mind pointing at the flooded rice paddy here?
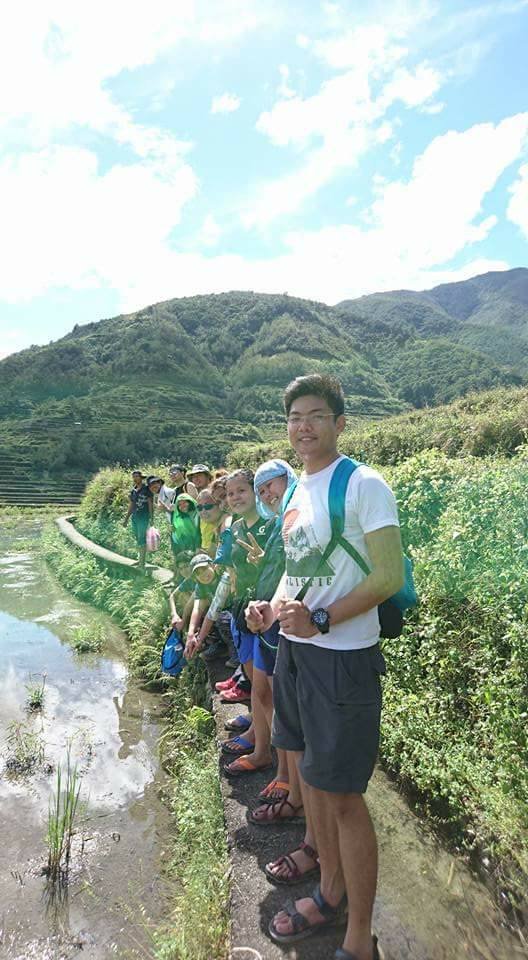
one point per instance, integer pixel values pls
(115, 890)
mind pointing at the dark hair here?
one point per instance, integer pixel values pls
(318, 385)
(242, 474)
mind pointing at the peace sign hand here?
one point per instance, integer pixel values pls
(254, 551)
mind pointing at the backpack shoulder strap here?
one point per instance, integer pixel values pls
(337, 494)
(336, 507)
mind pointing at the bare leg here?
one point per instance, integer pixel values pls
(346, 843)
(359, 858)
(261, 755)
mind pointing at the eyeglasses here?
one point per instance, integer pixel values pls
(206, 506)
(312, 419)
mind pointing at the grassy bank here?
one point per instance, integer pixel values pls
(197, 928)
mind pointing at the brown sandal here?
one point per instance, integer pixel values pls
(276, 790)
(272, 814)
(295, 875)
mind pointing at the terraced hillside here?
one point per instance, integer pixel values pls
(190, 378)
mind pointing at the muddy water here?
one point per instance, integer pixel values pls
(429, 905)
(115, 890)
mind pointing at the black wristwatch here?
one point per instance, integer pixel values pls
(320, 619)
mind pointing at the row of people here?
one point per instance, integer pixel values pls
(304, 624)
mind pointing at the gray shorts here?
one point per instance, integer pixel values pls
(327, 705)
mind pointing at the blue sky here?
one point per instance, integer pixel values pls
(328, 149)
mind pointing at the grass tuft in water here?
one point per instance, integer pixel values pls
(35, 695)
(88, 639)
(61, 820)
(25, 749)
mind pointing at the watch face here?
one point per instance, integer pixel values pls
(320, 618)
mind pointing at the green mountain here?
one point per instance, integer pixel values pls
(189, 378)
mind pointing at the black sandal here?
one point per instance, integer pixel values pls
(342, 954)
(302, 928)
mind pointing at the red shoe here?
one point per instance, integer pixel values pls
(235, 695)
(225, 684)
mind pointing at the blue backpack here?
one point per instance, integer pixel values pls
(390, 612)
(172, 659)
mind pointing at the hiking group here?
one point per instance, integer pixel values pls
(292, 576)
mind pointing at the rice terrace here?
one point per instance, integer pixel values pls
(264, 481)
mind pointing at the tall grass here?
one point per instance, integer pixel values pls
(61, 820)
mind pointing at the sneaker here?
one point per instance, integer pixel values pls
(235, 695)
(226, 684)
(214, 650)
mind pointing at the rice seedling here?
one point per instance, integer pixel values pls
(88, 638)
(61, 820)
(26, 749)
(35, 695)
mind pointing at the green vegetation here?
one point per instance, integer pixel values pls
(61, 821)
(35, 695)
(103, 507)
(455, 725)
(198, 926)
(140, 606)
(88, 639)
(188, 378)
(25, 749)
(479, 425)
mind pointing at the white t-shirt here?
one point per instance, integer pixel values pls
(370, 505)
(166, 497)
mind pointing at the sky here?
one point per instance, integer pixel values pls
(324, 149)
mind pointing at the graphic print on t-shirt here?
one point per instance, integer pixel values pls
(303, 552)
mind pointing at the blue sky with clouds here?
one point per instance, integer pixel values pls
(329, 149)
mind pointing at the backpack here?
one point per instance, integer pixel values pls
(172, 659)
(390, 612)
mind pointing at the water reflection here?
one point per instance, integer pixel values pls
(111, 725)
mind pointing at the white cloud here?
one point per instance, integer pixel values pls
(210, 232)
(225, 103)
(284, 89)
(416, 227)
(433, 216)
(66, 224)
(302, 41)
(518, 205)
(345, 116)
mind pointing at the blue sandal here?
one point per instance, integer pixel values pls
(240, 723)
(301, 926)
(237, 746)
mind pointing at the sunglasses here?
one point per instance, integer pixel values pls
(206, 506)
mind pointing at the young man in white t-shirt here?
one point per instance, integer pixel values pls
(327, 691)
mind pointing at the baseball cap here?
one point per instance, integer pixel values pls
(176, 468)
(199, 468)
(200, 560)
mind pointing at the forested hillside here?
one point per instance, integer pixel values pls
(189, 378)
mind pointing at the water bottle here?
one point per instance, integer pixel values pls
(220, 598)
